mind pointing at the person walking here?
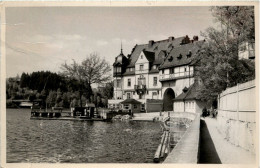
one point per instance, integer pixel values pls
(204, 112)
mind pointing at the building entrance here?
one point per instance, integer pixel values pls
(168, 97)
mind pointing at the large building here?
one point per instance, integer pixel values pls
(156, 73)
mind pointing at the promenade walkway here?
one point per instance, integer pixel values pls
(215, 149)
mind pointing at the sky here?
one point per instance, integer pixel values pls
(43, 38)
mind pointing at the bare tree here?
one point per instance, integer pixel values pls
(96, 69)
(92, 70)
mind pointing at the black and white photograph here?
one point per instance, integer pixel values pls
(130, 84)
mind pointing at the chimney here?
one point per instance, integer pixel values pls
(151, 42)
(195, 38)
(171, 38)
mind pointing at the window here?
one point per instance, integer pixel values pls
(118, 69)
(155, 81)
(135, 106)
(172, 71)
(129, 82)
(128, 95)
(117, 83)
(126, 106)
(142, 107)
(141, 56)
(185, 69)
(154, 95)
(141, 67)
(154, 67)
(141, 80)
(163, 71)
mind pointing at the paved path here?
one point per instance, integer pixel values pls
(227, 152)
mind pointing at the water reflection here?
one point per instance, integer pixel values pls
(79, 142)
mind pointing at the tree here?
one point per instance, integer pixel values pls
(218, 66)
(237, 20)
(51, 98)
(92, 69)
(108, 90)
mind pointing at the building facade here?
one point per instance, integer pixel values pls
(155, 73)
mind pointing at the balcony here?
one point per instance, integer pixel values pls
(140, 89)
(175, 76)
(117, 74)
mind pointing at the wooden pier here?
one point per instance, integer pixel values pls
(57, 113)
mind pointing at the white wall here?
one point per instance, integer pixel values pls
(177, 85)
(189, 106)
(178, 106)
(125, 82)
(140, 61)
(237, 115)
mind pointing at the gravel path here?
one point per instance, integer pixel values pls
(227, 152)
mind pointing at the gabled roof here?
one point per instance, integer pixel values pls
(181, 55)
(156, 48)
(190, 94)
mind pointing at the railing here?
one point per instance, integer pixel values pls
(140, 87)
(117, 74)
(175, 76)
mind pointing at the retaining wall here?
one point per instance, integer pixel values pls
(237, 115)
(186, 151)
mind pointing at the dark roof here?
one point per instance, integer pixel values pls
(130, 101)
(188, 95)
(181, 55)
(120, 59)
(154, 71)
(154, 101)
(129, 73)
(149, 55)
(156, 48)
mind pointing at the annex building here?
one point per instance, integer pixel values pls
(159, 75)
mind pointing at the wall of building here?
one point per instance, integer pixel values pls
(178, 106)
(141, 61)
(125, 82)
(177, 85)
(237, 115)
(191, 106)
(246, 50)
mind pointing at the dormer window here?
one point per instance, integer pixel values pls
(170, 58)
(189, 54)
(180, 56)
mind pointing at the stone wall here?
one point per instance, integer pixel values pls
(186, 151)
(237, 115)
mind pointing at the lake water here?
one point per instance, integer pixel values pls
(56, 141)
